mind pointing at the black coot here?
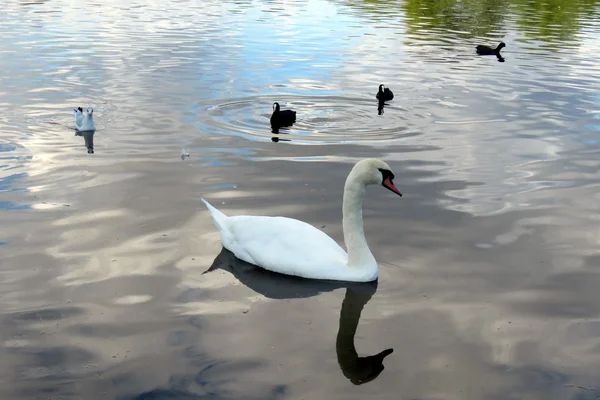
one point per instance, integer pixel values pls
(384, 94)
(281, 118)
(484, 50)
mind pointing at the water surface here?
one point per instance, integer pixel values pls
(489, 264)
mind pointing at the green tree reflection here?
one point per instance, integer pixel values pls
(550, 21)
(553, 20)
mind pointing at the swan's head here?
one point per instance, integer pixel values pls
(275, 106)
(374, 172)
(501, 46)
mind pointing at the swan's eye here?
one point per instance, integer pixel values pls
(386, 173)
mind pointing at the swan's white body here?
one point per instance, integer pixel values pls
(292, 247)
(84, 121)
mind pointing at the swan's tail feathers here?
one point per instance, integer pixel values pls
(218, 218)
(213, 211)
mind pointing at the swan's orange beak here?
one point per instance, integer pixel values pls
(388, 184)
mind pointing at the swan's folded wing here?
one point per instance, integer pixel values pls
(287, 246)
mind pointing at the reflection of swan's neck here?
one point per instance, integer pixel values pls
(352, 307)
(358, 369)
(359, 254)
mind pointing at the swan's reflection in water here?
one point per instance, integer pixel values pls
(380, 106)
(357, 369)
(88, 136)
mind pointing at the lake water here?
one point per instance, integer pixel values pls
(489, 281)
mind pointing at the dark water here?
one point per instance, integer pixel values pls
(489, 265)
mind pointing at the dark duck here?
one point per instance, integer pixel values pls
(384, 94)
(484, 50)
(282, 118)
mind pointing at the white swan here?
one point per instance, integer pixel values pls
(292, 247)
(84, 120)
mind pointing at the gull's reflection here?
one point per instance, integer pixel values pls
(357, 369)
(88, 136)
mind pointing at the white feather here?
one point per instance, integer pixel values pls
(84, 121)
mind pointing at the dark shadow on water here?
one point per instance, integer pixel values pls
(165, 394)
(278, 286)
(213, 381)
(88, 136)
(50, 314)
(358, 370)
(174, 394)
(42, 369)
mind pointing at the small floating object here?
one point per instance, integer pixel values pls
(184, 154)
(281, 118)
(384, 94)
(84, 120)
(484, 50)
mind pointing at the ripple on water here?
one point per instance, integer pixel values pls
(319, 119)
(13, 159)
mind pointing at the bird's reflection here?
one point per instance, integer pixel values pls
(278, 139)
(358, 370)
(500, 58)
(279, 129)
(380, 106)
(88, 136)
(276, 128)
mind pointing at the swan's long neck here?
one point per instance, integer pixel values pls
(359, 254)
